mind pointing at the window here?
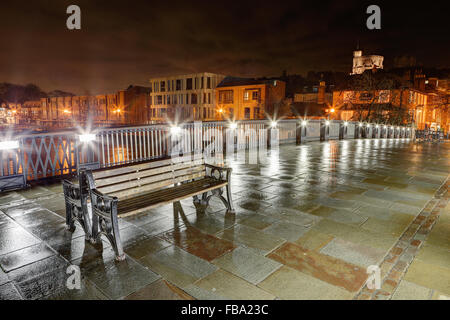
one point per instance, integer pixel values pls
(208, 83)
(256, 112)
(187, 98)
(226, 96)
(194, 98)
(196, 83)
(178, 84)
(255, 95)
(365, 96)
(202, 82)
(209, 98)
(163, 86)
(168, 86)
(246, 94)
(168, 99)
(158, 99)
(204, 113)
(231, 112)
(189, 84)
(247, 113)
(204, 98)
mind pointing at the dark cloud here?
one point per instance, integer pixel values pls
(129, 42)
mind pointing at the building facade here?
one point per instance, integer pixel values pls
(186, 97)
(248, 99)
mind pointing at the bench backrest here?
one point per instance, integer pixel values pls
(128, 181)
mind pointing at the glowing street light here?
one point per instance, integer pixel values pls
(86, 137)
(345, 123)
(304, 123)
(273, 124)
(9, 144)
(327, 123)
(377, 126)
(360, 124)
(332, 110)
(233, 126)
(220, 110)
(66, 111)
(175, 130)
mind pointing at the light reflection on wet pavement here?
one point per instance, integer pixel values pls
(307, 225)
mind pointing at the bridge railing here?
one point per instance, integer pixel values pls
(39, 156)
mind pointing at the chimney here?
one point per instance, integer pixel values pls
(321, 93)
(419, 82)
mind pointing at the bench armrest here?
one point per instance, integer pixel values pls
(223, 172)
(103, 204)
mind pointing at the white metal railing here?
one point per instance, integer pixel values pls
(60, 154)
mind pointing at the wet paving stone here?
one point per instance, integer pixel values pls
(25, 256)
(178, 266)
(87, 291)
(356, 254)
(16, 238)
(224, 284)
(339, 215)
(286, 230)
(247, 265)
(198, 243)
(261, 242)
(159, 290)
(208, 222)
(3, 277)
(323, 267)
(41, 278)
(9, 292)
(258, 221)
(115, 279)
(289, 284)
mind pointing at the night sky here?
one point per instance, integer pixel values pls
(128, 42)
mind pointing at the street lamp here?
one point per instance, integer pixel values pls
(273, 124)
(9, 144)
(327, 123)
(86, 137)
(304, 123)
(175, 130)
(345, 123)
(233, 126)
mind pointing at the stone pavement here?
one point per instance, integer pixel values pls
(306, 227)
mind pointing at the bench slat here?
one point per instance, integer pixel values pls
(139, 174)
(129, 169)
(155, 199)
(149, 187)
(166, 193)
(169, 176)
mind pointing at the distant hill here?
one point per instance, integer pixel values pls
(15, 93)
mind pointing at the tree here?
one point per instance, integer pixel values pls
(372, 95)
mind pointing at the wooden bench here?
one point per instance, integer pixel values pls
(131, 189)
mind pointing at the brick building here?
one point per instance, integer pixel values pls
(243, 99)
